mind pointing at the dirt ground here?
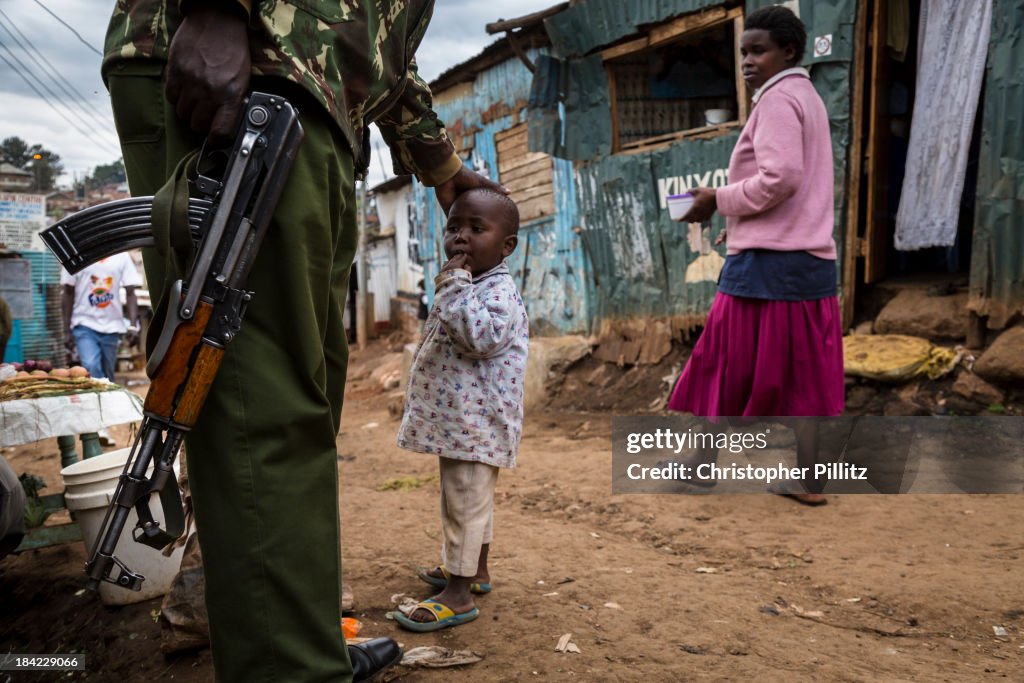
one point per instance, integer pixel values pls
(650, 587)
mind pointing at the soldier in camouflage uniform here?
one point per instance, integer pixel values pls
(262, 459)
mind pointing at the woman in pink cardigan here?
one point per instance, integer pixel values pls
(772, 344)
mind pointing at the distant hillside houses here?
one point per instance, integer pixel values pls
(60, 204)
(14, 179)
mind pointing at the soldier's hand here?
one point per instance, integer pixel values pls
(462, 181)
(208, 68)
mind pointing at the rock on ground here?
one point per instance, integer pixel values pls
(1003, 362)
(546, 364)
(913, 312)
(389, 372)
(975, 389)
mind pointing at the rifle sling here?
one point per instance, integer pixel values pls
(170, 219)
(172, 237)
(173, 241)
(174, 519)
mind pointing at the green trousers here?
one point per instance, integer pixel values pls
(262, 459)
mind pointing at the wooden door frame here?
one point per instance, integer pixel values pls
(877, 228)
(868, 161)
(666, 33)
(852, 250)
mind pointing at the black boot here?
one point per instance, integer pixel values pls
(372, 657)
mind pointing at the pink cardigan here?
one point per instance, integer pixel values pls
(780, 191)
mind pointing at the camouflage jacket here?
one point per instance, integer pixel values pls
(354, 56)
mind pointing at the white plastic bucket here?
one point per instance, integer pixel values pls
(88, 489)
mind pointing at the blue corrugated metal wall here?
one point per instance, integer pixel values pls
(14, 353)
(548, 265)
(42, 336)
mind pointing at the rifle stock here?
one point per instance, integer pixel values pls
(194, 393)
(173, 370)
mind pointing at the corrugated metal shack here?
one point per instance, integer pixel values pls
(29, 281)
(484, 105)
(612, 118)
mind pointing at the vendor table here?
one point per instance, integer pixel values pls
(64, 417)
(28, 420)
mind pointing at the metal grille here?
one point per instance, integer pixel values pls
(42, 336)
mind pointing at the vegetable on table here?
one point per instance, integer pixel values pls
(39, 386)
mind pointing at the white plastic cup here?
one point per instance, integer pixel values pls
(679, 205)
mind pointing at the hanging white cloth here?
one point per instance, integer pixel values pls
(952, 47)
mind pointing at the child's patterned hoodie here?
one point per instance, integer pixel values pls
(465, 395)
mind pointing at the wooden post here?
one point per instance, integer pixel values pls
(877, 226)
(614, 105)
(975, 331)
(851, 250)
(362, 334)
(742, 93)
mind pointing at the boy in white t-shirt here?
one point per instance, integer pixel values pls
(94, 318)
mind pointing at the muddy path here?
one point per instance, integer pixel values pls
(651, 587)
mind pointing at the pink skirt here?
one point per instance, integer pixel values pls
(764, 358)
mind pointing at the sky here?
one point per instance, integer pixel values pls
(66, 108)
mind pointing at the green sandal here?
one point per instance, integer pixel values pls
(444, 617)
(423, 573)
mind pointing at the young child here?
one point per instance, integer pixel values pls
(464, 401)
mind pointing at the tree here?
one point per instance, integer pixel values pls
(14, 151)
(104, 174)
(44, 164)
(46, 168)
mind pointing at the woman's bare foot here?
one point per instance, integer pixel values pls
(798, 492)
(812, 499)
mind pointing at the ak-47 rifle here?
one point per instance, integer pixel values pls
(204, 311)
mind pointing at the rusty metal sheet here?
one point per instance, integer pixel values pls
(639, 260)
(595, 24)
(548, 264)
(570, 114)
(642, 263)
(627, 259)
(997, 258)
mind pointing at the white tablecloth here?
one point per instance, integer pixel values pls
(30, 420)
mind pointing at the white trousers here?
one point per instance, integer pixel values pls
(467, 513)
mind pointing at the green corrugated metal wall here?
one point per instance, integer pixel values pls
(636, 255)
(997, 261)
(594, 23)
